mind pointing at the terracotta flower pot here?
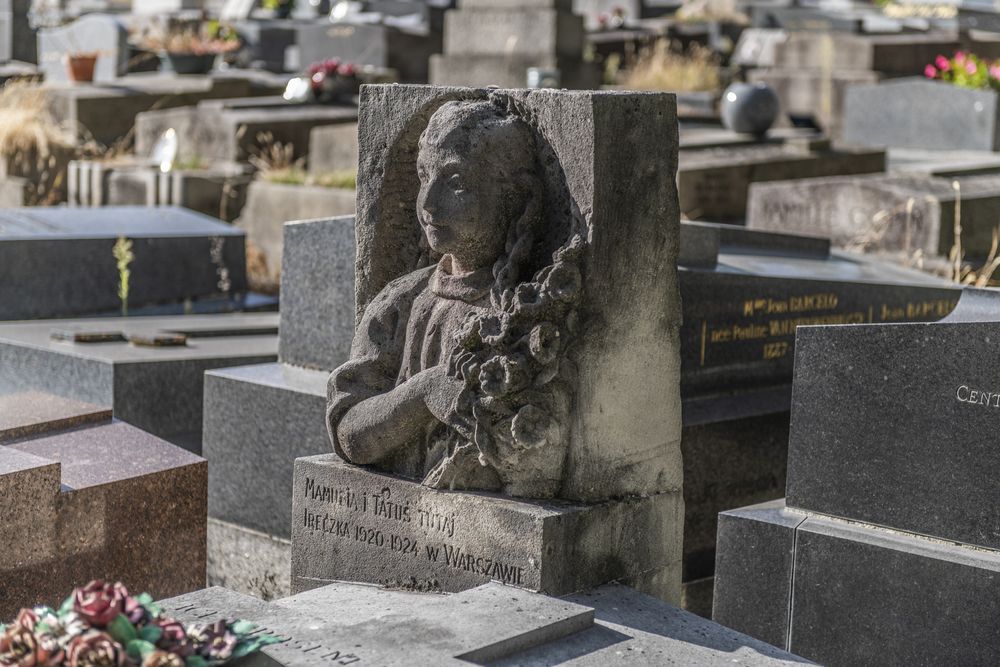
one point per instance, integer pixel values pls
(81, 66)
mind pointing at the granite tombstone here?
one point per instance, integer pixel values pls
(84, 497)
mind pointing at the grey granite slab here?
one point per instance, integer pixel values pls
(178, 255)
(918, 451)
(158, 389)
(317, 298)
(356, 524)
(258, 420)
(951, 117)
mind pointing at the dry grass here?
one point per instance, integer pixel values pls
(270, 155)
(955, 269)
(27, 128)
(660, 66)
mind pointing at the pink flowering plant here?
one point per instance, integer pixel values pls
(333, 78)
(965, 69)
(102, 625)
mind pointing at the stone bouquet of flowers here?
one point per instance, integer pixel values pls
(102, 625)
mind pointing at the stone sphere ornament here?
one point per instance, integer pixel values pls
(749, 108)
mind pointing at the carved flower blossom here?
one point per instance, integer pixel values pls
(543, 342)
(563, 283)
(502, 375)
(531, 427)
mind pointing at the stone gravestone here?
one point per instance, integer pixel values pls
(85, 497)
(951, 117)
(514, 379)
(903, 212)
(489, 43)
(890, 528)
(94, 33)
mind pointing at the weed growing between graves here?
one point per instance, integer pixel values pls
(276, 163)
(122, 252)
(662, 66)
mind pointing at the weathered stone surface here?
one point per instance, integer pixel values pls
(950, 117)
(906, 212)
(616, 358)
(270, 205)
(94, 499)
(713, 183)
(355, 524)
(492, 624)
(248, 561)
(859, 594)
(317, 296)
(333, 148)
(158, 389)
(173, 250)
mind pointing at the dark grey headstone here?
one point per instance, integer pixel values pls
(918, 452)
(179, 255)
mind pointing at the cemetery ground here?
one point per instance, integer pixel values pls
(498, 332)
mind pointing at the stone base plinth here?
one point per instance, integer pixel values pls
(354, 524)
(843, 593)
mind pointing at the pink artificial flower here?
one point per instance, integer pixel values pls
(942, 63)
(930, 71)
(959, 58)
(995, 71)
(970, 67)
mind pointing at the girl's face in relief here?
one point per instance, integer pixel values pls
(460, 205)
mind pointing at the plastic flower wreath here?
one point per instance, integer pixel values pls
(102, 625)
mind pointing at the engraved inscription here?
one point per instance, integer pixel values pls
(404, 527)
(966, 394)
